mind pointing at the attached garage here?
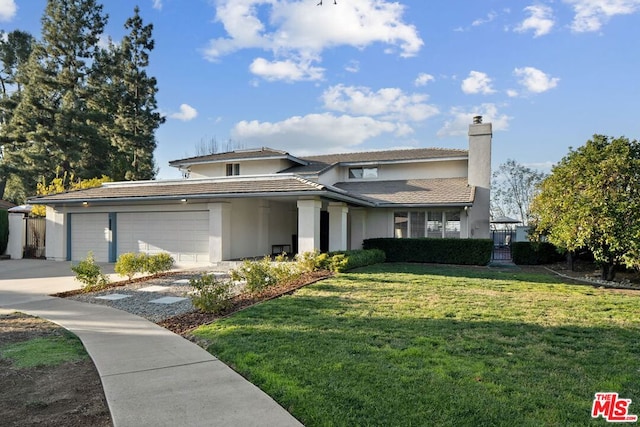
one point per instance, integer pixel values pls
(90, 232)
(184, 234)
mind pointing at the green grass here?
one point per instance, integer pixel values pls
(48, 351)
(400, 344)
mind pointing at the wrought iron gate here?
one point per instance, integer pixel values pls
(502, 240)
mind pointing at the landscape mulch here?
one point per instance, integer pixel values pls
(184, 323)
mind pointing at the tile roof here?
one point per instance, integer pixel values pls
(438, 191)
(178, 189)
(258, 153)
(321, 162)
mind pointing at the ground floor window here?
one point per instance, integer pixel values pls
(426, 223)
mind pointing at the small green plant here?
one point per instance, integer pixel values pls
(159, 263)
(210, 295)
(89, 273)
(258, 275)
(312, 261)
(128, 265)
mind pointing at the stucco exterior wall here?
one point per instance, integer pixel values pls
(247, 167)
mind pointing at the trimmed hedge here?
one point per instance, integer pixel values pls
(347, 260)
(535, 253)
(4, 230)
(441, 251)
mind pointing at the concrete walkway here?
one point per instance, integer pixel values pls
(151, 377)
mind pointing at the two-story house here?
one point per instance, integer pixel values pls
(249, 203)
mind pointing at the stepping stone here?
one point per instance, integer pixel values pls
(182, 282)
(167, 300)
(154, 288)
(113, 297)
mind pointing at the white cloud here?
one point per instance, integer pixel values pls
(157, 4)
(423, 79)
(534, 80)
(321, 133)
(299, 31)
(8, 10)
(386, 103)
(286, 70)
(460, 119)
(353, 66)
(512, 93)
(590, 15)
(540, 20)
(481, 21)
(186, 113)
(477, 82)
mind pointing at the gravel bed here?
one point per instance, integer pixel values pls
(138, 302)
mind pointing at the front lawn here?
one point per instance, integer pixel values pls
(399, 344)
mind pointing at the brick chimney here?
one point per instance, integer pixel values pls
(479, 175)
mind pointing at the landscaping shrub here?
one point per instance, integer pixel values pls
(159, 263)
(210, 294)
(89, 273)
(312, 261)
(129, 264)
(4, 231)
(347, 260)
(535, 253)
(441, 251)
(258, 275)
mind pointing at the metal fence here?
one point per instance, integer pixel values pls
(35, 229)
(502, 240)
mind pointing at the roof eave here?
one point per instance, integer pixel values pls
(119, 200)
(425, 205)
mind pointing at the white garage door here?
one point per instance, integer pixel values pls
(90, 232)
(185, 235)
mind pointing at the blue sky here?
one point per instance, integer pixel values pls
(374, 74)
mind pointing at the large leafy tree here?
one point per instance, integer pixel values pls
(513, 188)
(125, 96)
(592, 200)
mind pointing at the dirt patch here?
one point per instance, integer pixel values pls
(69, 394)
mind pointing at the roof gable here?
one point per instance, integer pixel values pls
(317, 164)
(238, 155)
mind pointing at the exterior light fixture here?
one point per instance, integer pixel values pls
(85, 203)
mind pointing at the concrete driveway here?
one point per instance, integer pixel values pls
(28, 280)
(151, 377)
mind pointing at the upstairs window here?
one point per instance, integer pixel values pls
(363, 173)
(233, 169)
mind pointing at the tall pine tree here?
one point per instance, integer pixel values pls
(84, 111)
(125, 95)
(50, 128)
(15, 48)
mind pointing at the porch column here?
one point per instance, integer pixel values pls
(263, 227)
(358, 227)
(56, 237)
(219, 231)
(308, 225)
(338, 226)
